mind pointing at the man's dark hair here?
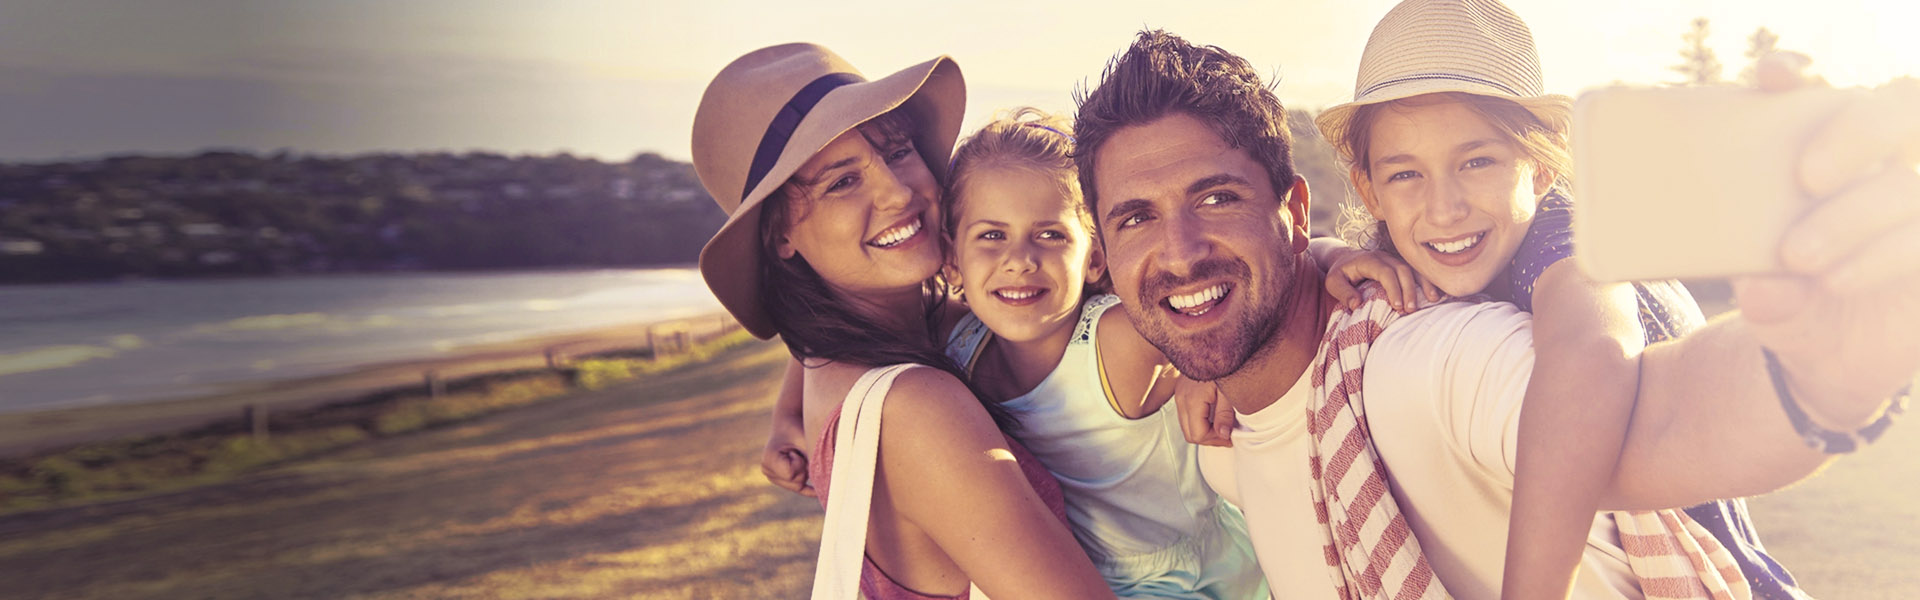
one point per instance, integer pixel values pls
(1162, 74)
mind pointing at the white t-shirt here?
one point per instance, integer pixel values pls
(1443, 391)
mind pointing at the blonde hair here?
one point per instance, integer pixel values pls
(1023, 138)
(1543, 142)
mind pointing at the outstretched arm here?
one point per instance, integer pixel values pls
(1709, 423)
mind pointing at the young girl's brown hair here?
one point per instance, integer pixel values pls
(1023, 138)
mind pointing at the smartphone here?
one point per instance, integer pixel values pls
(1690, 182)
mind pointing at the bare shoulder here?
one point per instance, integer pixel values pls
(935, 419)
(1122, 348)
(930, 394)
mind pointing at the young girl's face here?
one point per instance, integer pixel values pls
(1456, 194)
(1022, 252)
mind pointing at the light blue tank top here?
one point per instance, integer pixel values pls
(1132, 486)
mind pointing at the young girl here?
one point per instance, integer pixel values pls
(1084, 386)
(1464, 183)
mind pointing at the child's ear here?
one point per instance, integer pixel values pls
(1364, 187)
(1542, 182)
(1096, 263)
(951, 274)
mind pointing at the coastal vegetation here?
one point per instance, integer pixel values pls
(238, 214)
(223, 450)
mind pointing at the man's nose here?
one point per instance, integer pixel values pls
(1183, 244)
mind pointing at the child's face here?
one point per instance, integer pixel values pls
(1456, 194)
(1022, 252)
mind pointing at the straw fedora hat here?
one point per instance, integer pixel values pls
(1426, 46)
(766, 113)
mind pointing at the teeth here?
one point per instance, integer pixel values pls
(892, 237)
(1185, 302)
(1017, 295)
(1457, 246)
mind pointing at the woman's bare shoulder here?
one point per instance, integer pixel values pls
(931, 404)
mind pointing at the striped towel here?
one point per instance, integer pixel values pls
(1371, 549)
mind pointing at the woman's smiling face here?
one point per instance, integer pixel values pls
(863, 215)
(1456, 193)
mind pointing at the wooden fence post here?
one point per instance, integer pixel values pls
(256, 418)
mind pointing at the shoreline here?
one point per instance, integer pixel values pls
(28, 432)
(221, 277)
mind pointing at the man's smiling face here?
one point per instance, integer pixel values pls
(1201, 248)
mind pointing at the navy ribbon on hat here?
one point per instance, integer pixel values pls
(786, 121)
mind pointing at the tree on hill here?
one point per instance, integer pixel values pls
(1760, 44)
(1698, 66)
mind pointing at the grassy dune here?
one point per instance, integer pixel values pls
(226, 448)
(643, 489)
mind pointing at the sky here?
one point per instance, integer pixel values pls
(607, 79)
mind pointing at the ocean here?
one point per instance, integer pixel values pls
(67, 345)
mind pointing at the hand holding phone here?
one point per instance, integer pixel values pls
(1814, 190)
(1691, 182)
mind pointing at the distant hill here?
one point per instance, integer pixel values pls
(231, 214)
(237, 214)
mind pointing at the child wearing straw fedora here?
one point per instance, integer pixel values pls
(829, 243)
(1374, 451)
(1460, 159)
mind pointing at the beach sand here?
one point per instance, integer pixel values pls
(652, 490)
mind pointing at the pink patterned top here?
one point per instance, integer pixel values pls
(874, 583)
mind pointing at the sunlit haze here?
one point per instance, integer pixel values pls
(82, 78)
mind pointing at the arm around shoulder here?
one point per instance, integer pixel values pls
(950, 472)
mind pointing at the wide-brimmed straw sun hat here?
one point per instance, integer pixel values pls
(1427, 46)
(766, 113)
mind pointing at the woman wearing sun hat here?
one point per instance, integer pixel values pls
(1459, 158)
(830, 182)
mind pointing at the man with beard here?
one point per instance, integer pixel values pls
(1184, 160)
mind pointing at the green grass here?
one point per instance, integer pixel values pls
(132, 466)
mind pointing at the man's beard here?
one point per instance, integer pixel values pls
(1224, 349)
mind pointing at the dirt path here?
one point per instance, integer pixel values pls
(649, 491)
(652, 491)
